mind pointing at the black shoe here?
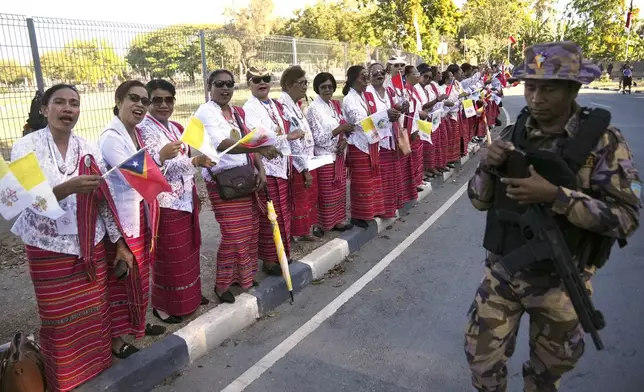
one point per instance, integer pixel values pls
(169, 320)
(497, 122)
(125, 351)
(204, 301)
(226, 297)
(154, 330)
(318, 232)
(360, 223)
(273, 269)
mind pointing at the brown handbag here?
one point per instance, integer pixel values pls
(402, 141)
(239, 181)
(22, 368)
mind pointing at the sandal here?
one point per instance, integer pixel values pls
(170, 319)
(154, 330)
(125, 351)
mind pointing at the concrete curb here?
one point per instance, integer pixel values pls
(152, 365)
(609, 89)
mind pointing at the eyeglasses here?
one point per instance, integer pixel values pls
(379, 72)
(303, 83)
(259, 79)
(222, 83)
(159, 100)
(137, 98)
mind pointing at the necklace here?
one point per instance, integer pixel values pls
(381, 99)
(62, 168)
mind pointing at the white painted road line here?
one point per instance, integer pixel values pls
(254, 372)
(600, 105)
(507, 116)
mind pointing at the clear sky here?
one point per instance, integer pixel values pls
(147, 12)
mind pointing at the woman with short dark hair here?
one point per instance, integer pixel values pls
(363, 159)
(304, 186)
(176, 288)
(129, 295)
(330, 131)
(237, 215)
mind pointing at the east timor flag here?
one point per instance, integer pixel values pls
(144, 176)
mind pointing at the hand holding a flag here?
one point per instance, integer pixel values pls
(394, 114)
(203, 161)
(78, 184)
(170, 151)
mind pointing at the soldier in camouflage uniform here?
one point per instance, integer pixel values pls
(607, 202)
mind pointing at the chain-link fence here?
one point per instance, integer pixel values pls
(96, 57)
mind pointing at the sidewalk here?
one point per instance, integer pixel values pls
(211, 324)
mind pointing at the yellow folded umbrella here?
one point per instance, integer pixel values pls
(279, 246)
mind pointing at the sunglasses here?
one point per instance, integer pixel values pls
(159, 100)
(260, 79)
(222, 83)
(379, 72)
(137, 98)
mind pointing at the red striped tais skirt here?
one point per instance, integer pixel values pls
(304, 204)
(176, 288)
(278, 190)
(417, 159)
(75, 316)
(408, 188)
(129, 297)
(366, 187)
(390, 178)
(453, 139)
(239, 227)
(332, 197)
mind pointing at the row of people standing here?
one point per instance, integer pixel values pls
(92, 271)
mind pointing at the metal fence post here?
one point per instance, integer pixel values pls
(294, 51)
(33, 42)
(204, 64)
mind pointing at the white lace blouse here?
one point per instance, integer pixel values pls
(323, 120)
(302, 147)
(382, 103)
(42, 232)
(179, 171)
(266, 115)
(354, 108)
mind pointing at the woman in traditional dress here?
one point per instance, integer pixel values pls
(453, 125)
(129, 295)
(304, 184)
(176, 279)
(66, 256)
(362, 156)
(390, 172)
(416, 112)
(330, 132)
(438, 89)
(264, 112)
(237, 217)
(429, 101)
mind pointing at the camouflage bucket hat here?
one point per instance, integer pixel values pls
(555, 61)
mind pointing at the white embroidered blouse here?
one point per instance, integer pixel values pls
(382, 103)
(302, 147)
(40, 231)
(354, 108)
(266, 115)
(220, 129)
(116, 146)
(323, 120)
(179, 171)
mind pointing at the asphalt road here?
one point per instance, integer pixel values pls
(403, 330)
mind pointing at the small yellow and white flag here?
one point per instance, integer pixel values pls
(425, 129)
(195, 136)
(376, 126)
(468, 108)
(24, 185)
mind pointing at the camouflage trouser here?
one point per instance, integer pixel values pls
(556, 337)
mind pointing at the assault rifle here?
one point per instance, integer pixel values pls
(545, 242)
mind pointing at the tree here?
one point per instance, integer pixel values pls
(173, 50)
(598, 27)
(14, 74)
(491, 23)
(249, 27)
(83, 62)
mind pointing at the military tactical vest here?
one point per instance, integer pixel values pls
(502, 232)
